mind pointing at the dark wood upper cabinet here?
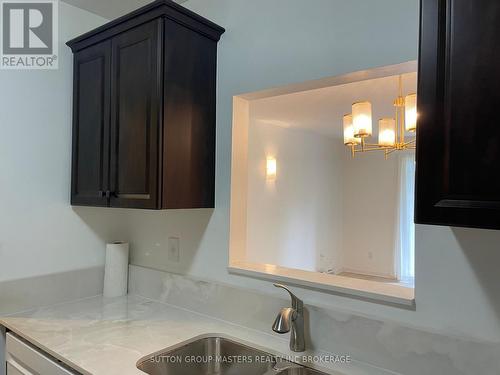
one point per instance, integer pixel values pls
(458, 141)
(144, 111)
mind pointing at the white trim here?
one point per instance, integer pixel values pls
(368, 273)
(396, 294)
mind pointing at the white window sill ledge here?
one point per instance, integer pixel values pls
(376, 291)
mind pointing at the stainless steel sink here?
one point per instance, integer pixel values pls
(301, 371)
(218, 356)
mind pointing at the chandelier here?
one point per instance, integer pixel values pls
(391, 134)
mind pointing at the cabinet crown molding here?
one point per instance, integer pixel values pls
(159, 8)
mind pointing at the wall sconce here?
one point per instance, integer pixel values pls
(271, 168)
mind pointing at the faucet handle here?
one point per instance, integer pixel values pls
(297, 303)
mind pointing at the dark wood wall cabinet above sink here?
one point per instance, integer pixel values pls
(144, 111)
(458, 142)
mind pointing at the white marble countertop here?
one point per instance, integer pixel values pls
(101, 336)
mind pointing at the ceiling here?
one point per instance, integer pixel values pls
(111, 9)
(322, 110)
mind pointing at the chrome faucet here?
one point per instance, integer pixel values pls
(292, 319)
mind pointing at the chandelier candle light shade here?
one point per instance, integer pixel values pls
(391, 131)
(349, 138)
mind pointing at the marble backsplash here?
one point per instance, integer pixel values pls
(46, 290)
(386, 345)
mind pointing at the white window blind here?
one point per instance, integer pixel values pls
(405, 234)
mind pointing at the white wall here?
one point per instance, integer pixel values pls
(371, 189)
(39, 232)
(326, 210)
(294, 221)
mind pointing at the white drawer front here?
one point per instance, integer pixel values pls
(13, 369)
(23, 359)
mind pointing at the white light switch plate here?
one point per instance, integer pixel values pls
(174, 250)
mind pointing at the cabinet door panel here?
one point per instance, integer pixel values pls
(136, 94)
(458, 152)
(91, 125)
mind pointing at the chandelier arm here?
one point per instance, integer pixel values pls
(388, 152)
(401, 109)
(380, 148)
(397, 130)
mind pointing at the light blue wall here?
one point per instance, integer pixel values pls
(39, 232)
(272, 43)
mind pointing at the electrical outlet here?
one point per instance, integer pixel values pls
(174, 250)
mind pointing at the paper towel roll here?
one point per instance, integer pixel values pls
(116, 269)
